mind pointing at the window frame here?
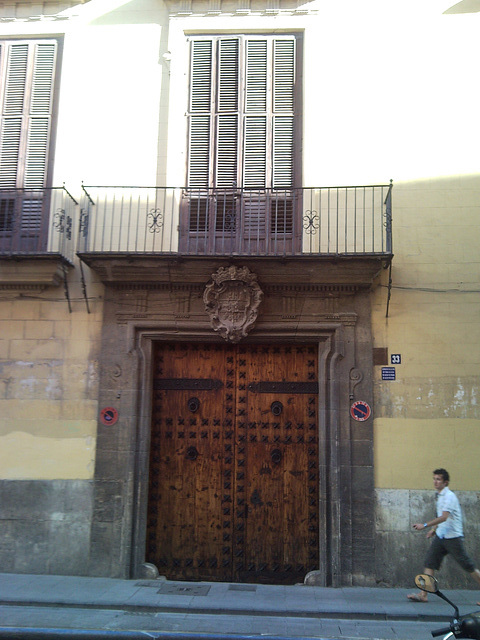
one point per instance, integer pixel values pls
(214, 112)
(21, 194)
(234, 217)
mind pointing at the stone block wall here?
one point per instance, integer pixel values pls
(45, 526)
(48, 422)
(400, 550)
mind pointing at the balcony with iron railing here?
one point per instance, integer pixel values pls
(37, 222)
(116, 229)
(130, 229)
(36, 235)
(332, 221)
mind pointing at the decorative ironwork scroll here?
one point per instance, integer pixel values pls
(232, 300)
(155, 220)
(311, 222)
(62, 223)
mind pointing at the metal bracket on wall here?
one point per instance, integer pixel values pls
(84, 286)
(389, 288)
(65, 286)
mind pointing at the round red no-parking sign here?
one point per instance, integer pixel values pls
(360, 411)
(108, 416)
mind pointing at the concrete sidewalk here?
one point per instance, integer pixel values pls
(69, 602)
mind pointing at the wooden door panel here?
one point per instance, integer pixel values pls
(281, 544)
(188, 464)
(233, 470)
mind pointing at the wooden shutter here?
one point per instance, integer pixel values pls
(29, 69)
(283, 116)
(227, 118)
(255, 125)
(200, 115)
(255, 152)
(269, 113)
(14, 72)
(256, 76)
(241, 88)
(40, 115)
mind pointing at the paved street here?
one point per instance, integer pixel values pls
(66, 602)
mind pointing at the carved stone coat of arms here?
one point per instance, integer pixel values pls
(232, 300)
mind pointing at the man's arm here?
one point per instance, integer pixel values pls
(432, 523)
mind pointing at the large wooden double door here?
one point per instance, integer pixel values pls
(233, 479)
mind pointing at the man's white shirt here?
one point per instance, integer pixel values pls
(453, 525)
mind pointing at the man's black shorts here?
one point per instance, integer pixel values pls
(440, 547)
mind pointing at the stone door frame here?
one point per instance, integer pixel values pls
(337, 377)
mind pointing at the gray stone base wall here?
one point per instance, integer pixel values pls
(45, 526)
(400, 550)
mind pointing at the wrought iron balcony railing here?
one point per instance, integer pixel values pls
(37, 222)
(331, 221)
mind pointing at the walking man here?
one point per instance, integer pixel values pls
(447, 533)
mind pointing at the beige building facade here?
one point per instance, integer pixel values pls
(203, 343)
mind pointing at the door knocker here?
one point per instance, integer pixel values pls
(276, 408)
(276, 456)
(193, 404)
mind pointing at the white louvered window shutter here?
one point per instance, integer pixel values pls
(255, 126)
(242, 112)
(200, 114)
(283, 113)
(226, 148)
(40, 116)
(27, 70)
(14, 79)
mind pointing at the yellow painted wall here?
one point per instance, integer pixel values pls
(430, 416)
(425, 124)
(407, 451)
(26, 456)
(49, 382)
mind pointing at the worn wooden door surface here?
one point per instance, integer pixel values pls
(233, 492)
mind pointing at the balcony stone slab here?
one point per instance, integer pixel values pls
(137, 271)
(32, 272)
